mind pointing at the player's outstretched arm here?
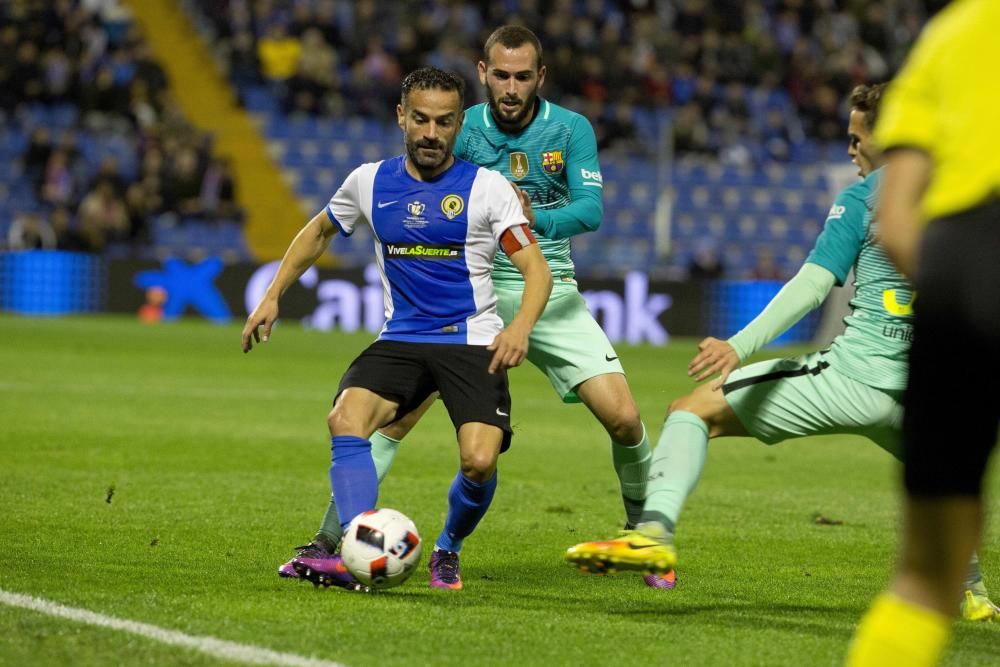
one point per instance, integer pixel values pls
(714, 356)
(907, 175)
(307, 246)
(511, 345)
(804, 292)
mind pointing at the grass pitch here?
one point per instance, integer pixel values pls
(155, 473)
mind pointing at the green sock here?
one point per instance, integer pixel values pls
(974, 578)
(632, 465)
(677, 464)
(383, 453)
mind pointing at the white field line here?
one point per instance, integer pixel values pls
(218, 648)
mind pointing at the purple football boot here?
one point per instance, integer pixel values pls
(326, 571)
(445, 572)
(664, 582)
(311, 550)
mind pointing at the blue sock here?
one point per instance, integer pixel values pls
(467, 504)
(352, 477)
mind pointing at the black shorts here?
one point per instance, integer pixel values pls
(952, 407)
(408, 373)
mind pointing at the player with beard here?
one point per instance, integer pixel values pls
(550, 153)
(436, 222)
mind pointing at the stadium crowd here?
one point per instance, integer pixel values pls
(77, 77)
(744, 82)
(753, 77)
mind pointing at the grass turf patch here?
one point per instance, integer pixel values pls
(156, 473)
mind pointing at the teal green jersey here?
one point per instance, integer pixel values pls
(554, 160)
(874, 345)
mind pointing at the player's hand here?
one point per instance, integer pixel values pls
(509, 348)
(529, 212)
(264, 315)
(714, 356)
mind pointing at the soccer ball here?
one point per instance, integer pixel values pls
(381, 548)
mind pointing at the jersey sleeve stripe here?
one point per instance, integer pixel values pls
(333, 219)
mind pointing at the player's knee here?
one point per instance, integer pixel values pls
(694, 404)
(685, 403)
(340, 423)
(624, 425)
(479, 467)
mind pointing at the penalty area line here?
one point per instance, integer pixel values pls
(219, 648)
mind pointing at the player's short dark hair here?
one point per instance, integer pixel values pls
(512, 37)
(432, 78)
(866, 99)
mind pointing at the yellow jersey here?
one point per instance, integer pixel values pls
(946, 101)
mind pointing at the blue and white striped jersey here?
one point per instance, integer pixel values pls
(434, 245)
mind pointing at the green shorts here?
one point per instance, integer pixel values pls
(567, 343)
(790, 398)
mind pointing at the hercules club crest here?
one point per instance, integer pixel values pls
(518, 165)
(452, 205)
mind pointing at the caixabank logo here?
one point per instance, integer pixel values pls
(422, 251)
(631, 310)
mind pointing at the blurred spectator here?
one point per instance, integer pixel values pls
(822, 114)
(141, 107)
(36, 155)
(102, 97)
(58, 74)
(183, 183)
(691, 133)
(58, 185)
(110, 171)
(8, 46)
(279, 54)
(218, 192)
(315, 76)
(776, 137)
(68, 237)
(30, 231)
(147, 71)
(656, 87)
(706, 262)
(27, 78)
(102, 217)
(619, 131)
(243, 64)
(408, 49)
(766, 267)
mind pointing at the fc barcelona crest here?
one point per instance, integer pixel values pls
(552, 162)
(518, 165)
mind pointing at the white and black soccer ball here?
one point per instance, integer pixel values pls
(381, 548)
